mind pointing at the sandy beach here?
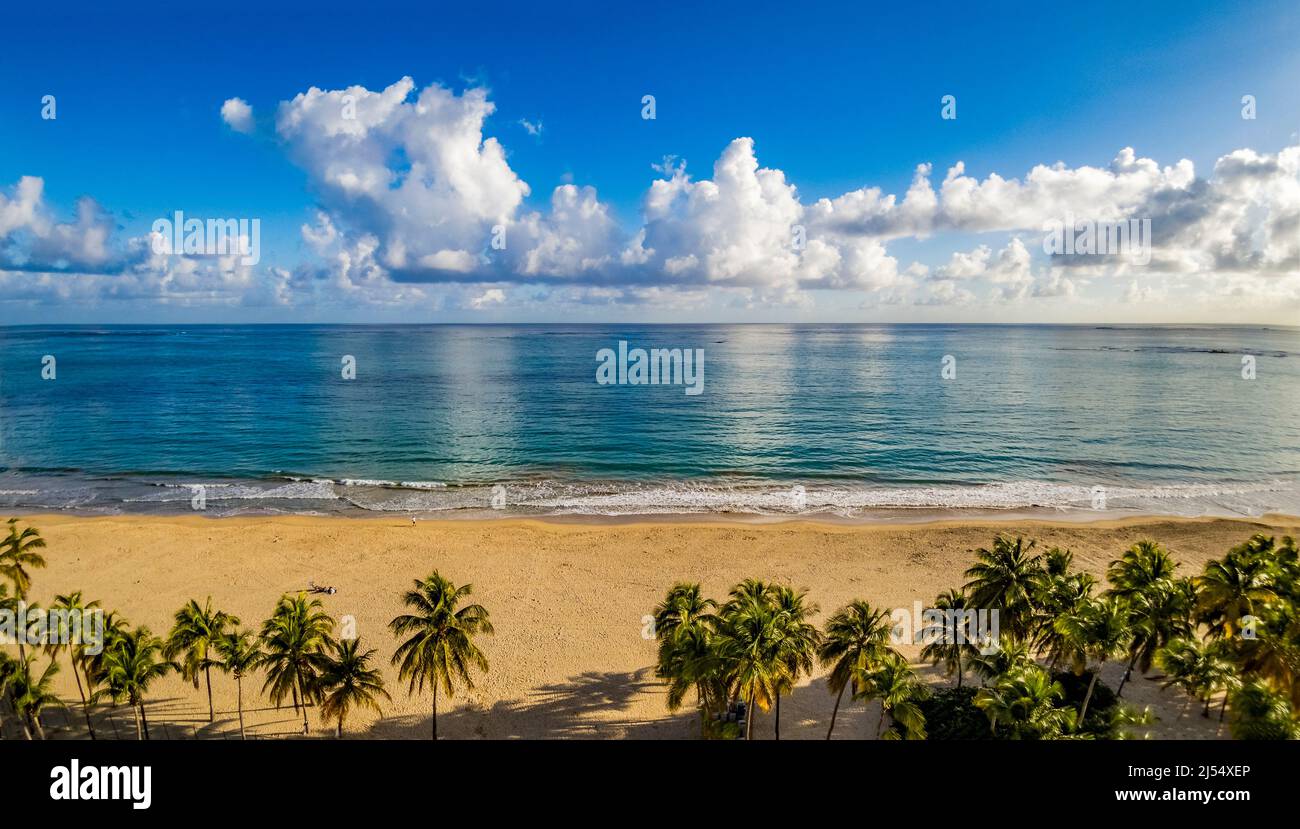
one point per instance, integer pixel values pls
(568, 659)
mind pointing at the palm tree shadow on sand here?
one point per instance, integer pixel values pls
(592, 705)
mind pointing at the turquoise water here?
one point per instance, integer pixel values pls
(438, 418)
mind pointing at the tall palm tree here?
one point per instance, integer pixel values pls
(194, 634)
(686, 627)
(894, 684)
(1158, 613)
(440, 649)
(1022, 705)
(1141, 566)
(955, 638)
(750, 644)
(18, 555)
(1061, 591)
(115, 627)
(1007, 578)
(241, 654)
(685, 622)
(347, 682)
(296, 638)
(69, 605)
(799, 640)
(857, 638)
(1241, 584)
(31, 694)
(131, 664)
(1097, 631)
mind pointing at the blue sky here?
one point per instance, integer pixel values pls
(837, 96)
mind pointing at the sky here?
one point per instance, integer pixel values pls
(463, 163)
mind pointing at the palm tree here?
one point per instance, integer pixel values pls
(1260, 713)
(194, 634)
(685, 623)
(31, 694)
(71, 605)
(18, 554)
(1009, 655)
(8, 666)
(894, 683)
(1158, 613)
(683, 609)
(692, 659)
(1097, 631)
(1022, 705)
(857, 638)
(346, 683)
(799, 639)
(1141, 566)
(115, 627)
(1274, 654)
(955, 638)
(750, 644)
(1201, 671)
(1239, 585)
(440, 648)
(1061, 591)
(130, 665)
(1007, 578)
(296, 637)
(241, 654)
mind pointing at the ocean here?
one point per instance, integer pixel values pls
(838, 421)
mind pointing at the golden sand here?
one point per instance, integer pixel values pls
(568, 659)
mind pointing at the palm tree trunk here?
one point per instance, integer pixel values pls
(434, 719)
(777, 719)
(340, 731)
(1127, 671)
(135, 712)
(306, 729)
(1083, 709)
(836, 710)
(880, 723)
(207, 677)
(1206, 712)
(959, 667)
(85, 706)
(27, 729)
(749, 719)
(295, 698)
(239, 684)
(36, 726)
(144, 720)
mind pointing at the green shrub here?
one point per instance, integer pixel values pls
(950, 714)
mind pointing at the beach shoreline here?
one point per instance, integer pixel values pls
(568, 601)
(917, 518)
